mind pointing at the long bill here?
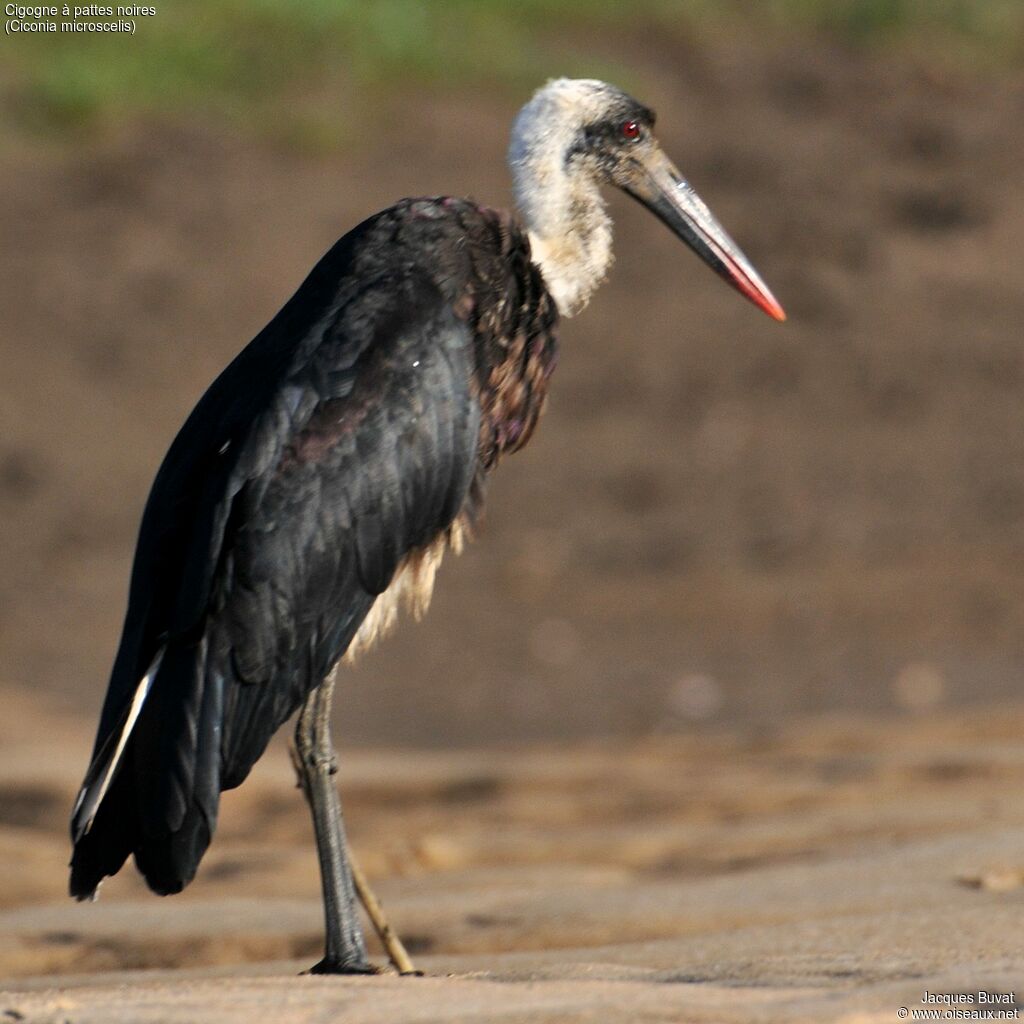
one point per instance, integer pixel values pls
(657, 184)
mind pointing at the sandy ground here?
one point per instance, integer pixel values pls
(833, 869)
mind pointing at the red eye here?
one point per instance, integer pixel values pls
(631, 130)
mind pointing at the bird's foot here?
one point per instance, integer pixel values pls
(330, 966)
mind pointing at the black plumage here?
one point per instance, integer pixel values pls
(352, 433)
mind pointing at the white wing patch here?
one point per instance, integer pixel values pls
(101, 771)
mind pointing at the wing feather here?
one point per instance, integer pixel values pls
(304, 478)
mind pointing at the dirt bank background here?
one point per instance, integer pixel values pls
(720, 517)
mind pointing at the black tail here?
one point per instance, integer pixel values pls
(154, 793)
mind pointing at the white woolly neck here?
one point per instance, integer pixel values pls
(560, 203)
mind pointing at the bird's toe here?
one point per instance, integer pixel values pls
(331, 966)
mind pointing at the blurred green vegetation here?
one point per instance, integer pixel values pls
(234, 57)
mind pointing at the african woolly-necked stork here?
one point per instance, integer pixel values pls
(317, 484)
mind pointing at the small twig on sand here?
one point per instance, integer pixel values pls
(392, 943)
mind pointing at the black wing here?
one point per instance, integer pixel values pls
(340, 441)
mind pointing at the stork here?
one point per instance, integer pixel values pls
(318, 482)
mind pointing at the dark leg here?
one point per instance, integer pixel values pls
(345, 951)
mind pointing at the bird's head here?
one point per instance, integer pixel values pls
(576, 135)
